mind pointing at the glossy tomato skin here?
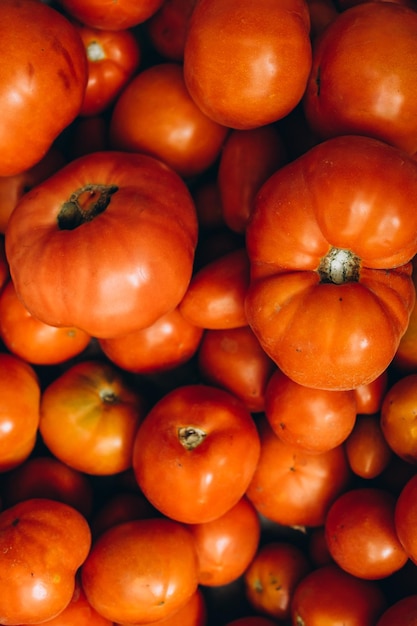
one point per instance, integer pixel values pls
(406, 517)
(195, 453)
(113, 57)
(247, 65)
(361, 534)
(369, 397)
(367, 450)
(46, 71)
(329, 594)
(141, 571)
(350, 65)
(68, 278)
(397, 418)
(299, 227)
(43, 543)
(156, 115)
(114, 16)
(89, 416)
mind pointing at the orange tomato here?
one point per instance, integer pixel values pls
(398, 418)
(367, 450)
(167, 28)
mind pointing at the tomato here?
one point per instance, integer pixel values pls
(32, 340)
(271, 578)
(292, 487)
(271, 51)
(156, 115)
(215, 298)
(141, 571)
(195, 453)
(366, 448)
(165, 344)
(406, 517)
(167, 28)
(247, 160)
(112, 16)
(329, 244)
(361, 535)
(233, 359)
(41, 85)
(43, 543)
(313, 420)
(330, 595)
(113, 58)
(363, 80)
(193, 613)
(226, 546)
(405, 359)
(403, 612)
(63, 272)
(398, 418)
(369, 397)
(19, 410)
(89, 415)
(47, 477)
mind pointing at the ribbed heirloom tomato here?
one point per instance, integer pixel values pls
(330, 242)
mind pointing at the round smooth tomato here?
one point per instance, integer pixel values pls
(32, 340)
(43, 543)
(195, 453)
(41, 85)
(329, 244)
(367, 450)
(167, 343)
(89, 415)
(314, 420)
(193, 613)
(330, 595)
(369, 397)
(106, 244)
(271, 578)
(363, 79)
(112, 16)
(167, 28)
(19, 411)
(246, 65)
(156, 115)
(403, 612)
(226, 546)
(397, 418)
(361, 535)
(292, 487)
(113, 57)
(141, 571)
(406, 517)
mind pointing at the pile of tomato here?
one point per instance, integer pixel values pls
(208, 315)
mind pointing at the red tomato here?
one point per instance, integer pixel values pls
(369, 397)
(366, 448)
(32, 340)
(141, 571)
(245, 64)
(215, 298)
(292, 487)
(167, 28)
(247, 160)
(19, 411)
(234, 360)
(333, 255)
(43, 543)
(271, 578)
(113, 58)
(63, 272)
(406, 518)
(165, 344)
(41, 85)
(195, 453)
(89, 417)
(363, 79)
(112, 16)
(193, 613)
(313, 420)
(46, 477)
(398, 418)
(402, 612)
(156, 115)
(226, 546)
(361, 535)
(330, 595)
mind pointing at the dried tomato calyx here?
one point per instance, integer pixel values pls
(339, 266)
(191, 436)
(84, 205)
